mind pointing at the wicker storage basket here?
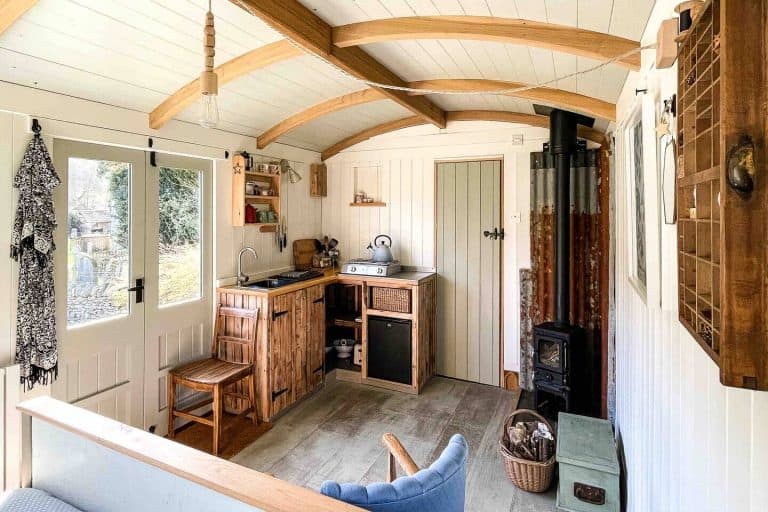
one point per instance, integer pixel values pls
(397, 300)
(528, 475)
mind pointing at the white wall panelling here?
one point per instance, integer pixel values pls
(689, 442)
(407, 184)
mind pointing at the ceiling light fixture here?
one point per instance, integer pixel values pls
(209, 81)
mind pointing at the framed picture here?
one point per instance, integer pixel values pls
(633, 144)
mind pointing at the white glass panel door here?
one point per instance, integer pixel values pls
(99, 258)
(179, 260)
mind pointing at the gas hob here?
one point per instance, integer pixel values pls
(363, 267)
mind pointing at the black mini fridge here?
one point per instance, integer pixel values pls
(390, 349)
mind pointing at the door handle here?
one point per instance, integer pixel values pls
(278, 314)
(317, 301)
(317, 369)
(139, 289)
(496, 234)
(276, 394)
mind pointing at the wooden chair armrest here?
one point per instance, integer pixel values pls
(397, 452)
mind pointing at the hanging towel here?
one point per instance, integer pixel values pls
(32, 246)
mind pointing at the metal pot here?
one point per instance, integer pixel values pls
(382, 252)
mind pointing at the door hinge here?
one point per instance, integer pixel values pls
(276, 314)
(139, 289)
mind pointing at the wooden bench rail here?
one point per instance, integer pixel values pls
(238, 482)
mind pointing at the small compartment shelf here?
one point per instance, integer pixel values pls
(247, 207)
(718, 263)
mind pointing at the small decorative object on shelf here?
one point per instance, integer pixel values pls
(723, 210)
(362, 199)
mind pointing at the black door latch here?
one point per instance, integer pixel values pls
(496, 234)
(139, 289)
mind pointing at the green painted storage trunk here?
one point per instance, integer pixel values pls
(589, 467)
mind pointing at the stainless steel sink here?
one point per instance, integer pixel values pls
(270, 283)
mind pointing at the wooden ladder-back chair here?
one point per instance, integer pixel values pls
(215, 374)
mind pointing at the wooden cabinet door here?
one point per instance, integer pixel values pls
(300, 345)
(280, 353)
(316, 333)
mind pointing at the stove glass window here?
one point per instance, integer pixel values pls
(550, 353)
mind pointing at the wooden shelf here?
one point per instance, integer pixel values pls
(262, 174)
(240, 200)
(375, 203)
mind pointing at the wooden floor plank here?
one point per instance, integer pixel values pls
(336, 435)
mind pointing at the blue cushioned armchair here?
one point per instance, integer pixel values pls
(439, 488)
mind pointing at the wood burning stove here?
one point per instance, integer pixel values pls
(561, 372)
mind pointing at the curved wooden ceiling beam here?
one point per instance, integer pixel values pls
(258, 58)
(319, 110)
(561, 38)
(555, 97)
(12, 10)
(457, 115)
(380, 129)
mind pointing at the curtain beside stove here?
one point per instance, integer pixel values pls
(537, 286)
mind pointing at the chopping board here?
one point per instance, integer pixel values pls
(303, 250)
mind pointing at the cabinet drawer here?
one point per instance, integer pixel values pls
(397, 300)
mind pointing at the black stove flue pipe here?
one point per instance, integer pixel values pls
(562, 143)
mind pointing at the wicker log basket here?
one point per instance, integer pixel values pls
(528, 475)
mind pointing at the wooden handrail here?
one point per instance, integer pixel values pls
(238, 482)
(397, 452)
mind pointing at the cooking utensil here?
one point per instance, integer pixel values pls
(284, 241)
(382, 252)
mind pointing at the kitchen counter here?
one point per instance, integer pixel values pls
(330, 277)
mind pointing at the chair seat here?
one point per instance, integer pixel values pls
(212, 371)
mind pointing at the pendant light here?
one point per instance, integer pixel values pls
(209, 81)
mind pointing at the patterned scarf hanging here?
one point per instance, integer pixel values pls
(32, 246)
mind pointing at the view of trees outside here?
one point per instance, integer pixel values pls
(99, 227)
(179, 240)
(97, 252)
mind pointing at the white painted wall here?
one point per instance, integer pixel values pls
(406, 182)
(691, 444)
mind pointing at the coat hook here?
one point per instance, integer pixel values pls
(36, 128)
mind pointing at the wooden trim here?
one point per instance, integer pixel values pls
(511, 381)
(319, 110)
(604, 200)
(560, 38)
(305, 28)
(397, 452)
(458, 115)
(238, 482)
(555, 97)
(375, 203)
(232, 69)
(379, 129)
(12, 10)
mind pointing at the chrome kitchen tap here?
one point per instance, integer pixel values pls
(242, 278)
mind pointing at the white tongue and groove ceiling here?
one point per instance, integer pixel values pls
(136, 53)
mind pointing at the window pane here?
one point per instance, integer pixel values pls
(179, 237)
(97, 253)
